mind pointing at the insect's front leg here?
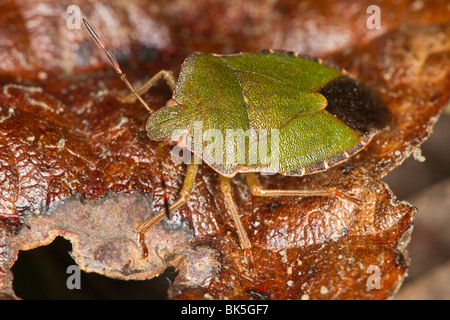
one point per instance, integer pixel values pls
(168, 77)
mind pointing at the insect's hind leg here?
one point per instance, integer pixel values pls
(257, 190)
(166, 75)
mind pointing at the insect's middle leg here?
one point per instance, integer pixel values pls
(231, 206)
(257, 190)
(185, 193)
(163, 74)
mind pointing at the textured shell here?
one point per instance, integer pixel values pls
(273, 111)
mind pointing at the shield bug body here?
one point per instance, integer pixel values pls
(270, 111)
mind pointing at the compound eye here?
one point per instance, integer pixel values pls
(181, 141)
(171, 103)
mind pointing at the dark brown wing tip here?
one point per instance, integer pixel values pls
(356, 105)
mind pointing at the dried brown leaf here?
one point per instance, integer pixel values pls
(75, 160)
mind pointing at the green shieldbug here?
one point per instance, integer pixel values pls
(321, 117)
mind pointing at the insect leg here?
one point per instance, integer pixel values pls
(185, 192)
(163, 74)
(226, 190)
(257, 190)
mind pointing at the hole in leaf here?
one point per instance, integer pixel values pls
(49, 272)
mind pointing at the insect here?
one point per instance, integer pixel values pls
(317, 114)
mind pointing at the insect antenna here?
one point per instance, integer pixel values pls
(114, 63)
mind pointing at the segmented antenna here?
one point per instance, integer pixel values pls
(114, 63)
(116, 66)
